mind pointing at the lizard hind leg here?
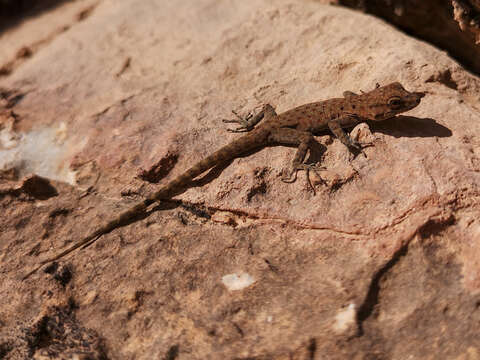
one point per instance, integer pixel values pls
(248, 123)
(305, 142)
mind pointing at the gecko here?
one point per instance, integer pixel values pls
(295, 127)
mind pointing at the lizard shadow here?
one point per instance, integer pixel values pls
(409, 126)
(399, 126)
(315, 155)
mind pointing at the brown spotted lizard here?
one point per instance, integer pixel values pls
(293, 127)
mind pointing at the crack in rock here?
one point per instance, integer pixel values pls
(366, 309)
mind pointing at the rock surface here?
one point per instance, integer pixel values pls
(467, 14)
(116, 97)
(451, 25)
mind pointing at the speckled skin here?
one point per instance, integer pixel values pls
(293, 127)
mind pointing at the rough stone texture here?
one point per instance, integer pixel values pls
(381, 263)
(467, 14)
(452, 25)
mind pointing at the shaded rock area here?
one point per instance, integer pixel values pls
(12, 12)
(453, 25)
(117, 98)
(467, 14)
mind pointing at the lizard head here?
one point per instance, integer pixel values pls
(387, 101)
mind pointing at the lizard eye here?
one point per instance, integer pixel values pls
(394, 102)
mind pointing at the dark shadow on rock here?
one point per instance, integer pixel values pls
(211, 175)
(431, 21)
(399, 126)
(172, 352)
(12, 12)
(38, 187)
(409, 126)
(158, 171)
(314, 156)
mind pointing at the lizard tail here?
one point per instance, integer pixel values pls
(124, 218)
(228, 152)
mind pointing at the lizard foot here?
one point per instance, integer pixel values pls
(307, 167)
(357, 148)
(246, 125)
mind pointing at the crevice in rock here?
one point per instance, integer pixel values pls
(431, 227)
(366, 309)
(172, 353)
(312, 348)
(242, 213)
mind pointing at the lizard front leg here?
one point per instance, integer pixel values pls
(336, 128)
(305, 141)
(249, 122)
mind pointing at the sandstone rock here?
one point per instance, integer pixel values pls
(380, 263)
(450, 25)
(467, 14)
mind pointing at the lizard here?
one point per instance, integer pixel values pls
(295, 127)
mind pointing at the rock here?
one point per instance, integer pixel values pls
(450, 25)
(54, 334)
(467, 14)
(380, 263)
